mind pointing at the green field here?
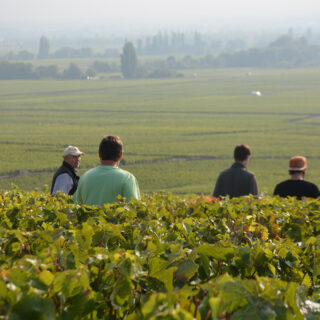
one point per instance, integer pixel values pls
(178, 134)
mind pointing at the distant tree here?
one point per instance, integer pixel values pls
(85, 53)
(141, 71)
(171, 62)
(289, 41)
(188, 61)
(67, 52)
(63, 53)
(163, 73)
(73, 72)
(24, 55)
(10, 56)
(47, 71)
(90, 73)
(128, 60)
(9, 71)
(197, 42)
(100, 66)
(207, 61)
(44, 48)
(139, 46)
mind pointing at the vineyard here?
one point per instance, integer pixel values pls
(160, 258)
(178, 133)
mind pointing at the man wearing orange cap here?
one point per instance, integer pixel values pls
(65, 178)
(296, 186)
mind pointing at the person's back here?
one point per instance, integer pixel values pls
(105, 182)
(296, 186)
(237, 181)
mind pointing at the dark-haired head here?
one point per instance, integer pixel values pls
(241, 152)
(110, 148)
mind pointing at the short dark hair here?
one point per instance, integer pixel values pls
(110, 148)
(297, 171)
(241, 152)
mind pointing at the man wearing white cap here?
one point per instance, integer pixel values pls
(66, 179)
(296, 186)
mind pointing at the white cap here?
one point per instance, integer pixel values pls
(74, 151)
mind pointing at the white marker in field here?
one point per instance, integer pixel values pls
(256, 93)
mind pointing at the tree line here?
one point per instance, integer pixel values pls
(159, 44)
(284, 52)
(162, 43)
(20, 70)
(62, 53)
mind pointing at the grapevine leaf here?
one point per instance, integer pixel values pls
(157, 265)
(215, 304)
(33, 308)
(307, 281)
(19, 277)
(126, 267)
(121, 293)
(186, 270)
(3, 290)
(219, 253)
(205, 263)
(258, 311)
(46, 277)
(154, 301)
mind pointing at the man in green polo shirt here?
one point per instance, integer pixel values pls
(104, 183)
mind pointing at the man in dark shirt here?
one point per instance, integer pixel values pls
(65, 178)
(296, 186)
(237, 181)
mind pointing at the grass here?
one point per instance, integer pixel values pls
(178, 133)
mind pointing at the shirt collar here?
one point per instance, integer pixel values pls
(238, 165)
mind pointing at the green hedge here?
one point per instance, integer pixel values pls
(160, 258)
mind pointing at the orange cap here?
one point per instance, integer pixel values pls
(297, 163)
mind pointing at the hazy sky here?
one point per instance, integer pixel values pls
(133, 14)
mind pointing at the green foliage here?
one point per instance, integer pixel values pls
(72, 72)
(18, 70)
(128, 60)
(100, 66)
(14, 71)
(160, 258)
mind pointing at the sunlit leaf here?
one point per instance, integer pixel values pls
(215, 252)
